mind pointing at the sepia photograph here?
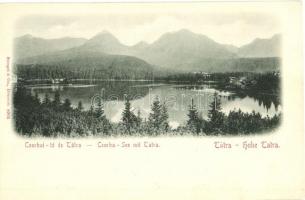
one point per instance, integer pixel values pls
(139, 75)
(144, 100)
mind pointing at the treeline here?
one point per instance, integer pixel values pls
(252, 83)
(117, 69)
(236, 122)
(266, 82)
(53, 118)
(201, 76)
(117, 72)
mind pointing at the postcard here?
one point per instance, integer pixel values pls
(198, 100)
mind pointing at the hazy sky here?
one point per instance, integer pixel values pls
(234, 28)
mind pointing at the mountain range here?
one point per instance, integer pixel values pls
(180, 51)
(28, 45)
(262, 48)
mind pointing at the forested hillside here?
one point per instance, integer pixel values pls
(84, 64)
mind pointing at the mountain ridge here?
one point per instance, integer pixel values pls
(181, 50)
(262, 47)
(29, 45)
(122, 48)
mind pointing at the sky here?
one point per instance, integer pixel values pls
(227, 28)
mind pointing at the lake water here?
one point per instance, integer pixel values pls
(176, 96)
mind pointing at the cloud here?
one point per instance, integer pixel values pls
(228, 28)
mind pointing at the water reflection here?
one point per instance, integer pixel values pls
(177, 98)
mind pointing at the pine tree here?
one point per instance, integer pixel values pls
(128, 117)
(215, 106)
(91, 119)
(216, 117)
(164, 118)
(99, 122)
(80, 106)
(56, 101)
(67, 104)
(139, 119)
(99, 111)
(46, 99)
(37, 99)
(155, 116)
(91, 111)
(193, 122)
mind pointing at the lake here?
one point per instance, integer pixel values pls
(142, 93)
